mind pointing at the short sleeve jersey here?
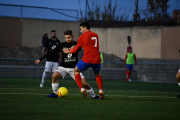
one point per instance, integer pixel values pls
(90, 42)
(71, 59)
(50, 45)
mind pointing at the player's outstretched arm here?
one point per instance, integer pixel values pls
(57, 49)
(72, 47)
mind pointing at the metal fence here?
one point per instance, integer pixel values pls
(36, 12)
(143, 72)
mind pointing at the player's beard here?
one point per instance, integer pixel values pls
(53, 37)
(70, 41)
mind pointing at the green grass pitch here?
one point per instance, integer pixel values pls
(23, 99)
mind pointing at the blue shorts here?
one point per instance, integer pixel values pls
(130, 66)
(83, 66)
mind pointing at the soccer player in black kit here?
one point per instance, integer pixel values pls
(68, 62)
(52, 61)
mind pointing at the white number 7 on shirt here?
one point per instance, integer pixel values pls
(94, 38)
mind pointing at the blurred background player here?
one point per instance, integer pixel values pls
(67, 65)
(130, 60)
(90, 42)
(44, 39)
(52, 60)
(178, 80)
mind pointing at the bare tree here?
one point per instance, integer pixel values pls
(156, 11)
(137, 12)
(109, 12)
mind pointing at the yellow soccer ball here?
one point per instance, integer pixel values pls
(62, 92)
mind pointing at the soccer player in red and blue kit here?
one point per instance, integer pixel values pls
(89, 41)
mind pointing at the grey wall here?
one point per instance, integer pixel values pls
(147, 42)
(170, 42)
(34, 29)
(113, 40)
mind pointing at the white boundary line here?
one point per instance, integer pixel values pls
(80, 94)
(134, 91)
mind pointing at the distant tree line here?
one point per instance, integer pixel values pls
(155, 13)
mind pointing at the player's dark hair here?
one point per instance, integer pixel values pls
(68, 32)
(53, 31)
(85, 24)
(44, 35)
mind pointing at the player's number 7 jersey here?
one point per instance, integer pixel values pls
(89, 41)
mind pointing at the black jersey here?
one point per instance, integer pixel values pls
(69, 60)
(50, 45)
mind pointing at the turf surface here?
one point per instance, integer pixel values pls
(23, 99)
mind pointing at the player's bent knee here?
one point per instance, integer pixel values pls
(76, 70)
(178, 77)
(56, 75)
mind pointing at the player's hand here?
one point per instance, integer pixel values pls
(71, 47)
(66, 50)
(37, 61)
